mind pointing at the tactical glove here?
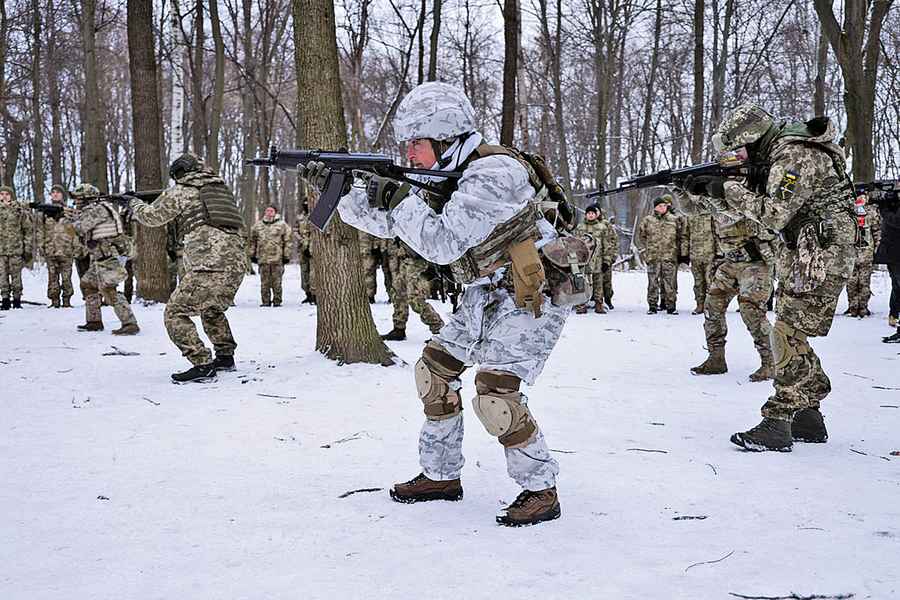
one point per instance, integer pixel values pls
(316, 173)
(285, 261)
(384, 193)
(604, 267)
(705, 185)
(254, 260)
(27, 256)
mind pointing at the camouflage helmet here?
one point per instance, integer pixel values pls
(58, 188)
(743, 126)
(6, 188)
(184, 164)
(663, 199)
(434, 110)
(84, 190)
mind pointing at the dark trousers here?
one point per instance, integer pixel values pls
(894, 270)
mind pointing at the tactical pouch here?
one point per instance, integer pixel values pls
(808, 270)
(565, 259)
(528, 276)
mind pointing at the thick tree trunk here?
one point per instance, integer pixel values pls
(345, 331)
(697, 110)
(37, 146)
(95, 167)
(152, 263)
(435, 37)
(821, 72)
(510, 70)
(198, 124)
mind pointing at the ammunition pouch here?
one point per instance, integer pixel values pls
(749, 252)
(565, 262)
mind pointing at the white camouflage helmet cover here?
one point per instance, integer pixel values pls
(84, 190)
(434, 110)
(744, 125)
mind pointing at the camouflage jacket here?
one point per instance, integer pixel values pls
(96, 216)
(57, 238)
(606, 251)
(303, 232)
(15, 229)
(661, 237)
(366, 242)
(700, 238)
(205, 248)
(870, 235)
(270, 242)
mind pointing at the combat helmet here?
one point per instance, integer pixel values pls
(84, 190)
(184, 164)
(434, 110)
(744, 125)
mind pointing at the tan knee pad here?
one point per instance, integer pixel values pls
(782, 350)
(437, 381)
(500, 409)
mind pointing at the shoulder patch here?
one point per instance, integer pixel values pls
(788, 182)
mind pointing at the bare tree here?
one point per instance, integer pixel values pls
(345, 331)
(94, 164)
(37, 140)
(435, 38)
(858, 55)
(697, 110)
(510, 70)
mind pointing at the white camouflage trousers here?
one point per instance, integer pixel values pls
(490, 331)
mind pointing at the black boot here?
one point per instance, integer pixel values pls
(4, 305)
(394, 335)
(809, 426)
(224, 363)
(651, 310)
(609, 305)
(770, 434)
(197, 374)
(91, 326)
(892, 339)
(17, 303)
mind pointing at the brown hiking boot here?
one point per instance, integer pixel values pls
(598, 308)
(422, 489)
(698, 310)
(531, 508)
(765, 372)
(91, 326)
(127, 329)
(54, 303)
(581, 309)
(714, 365)
(809, 426)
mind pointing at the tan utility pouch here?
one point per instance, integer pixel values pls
(528, 276)
(565, 260)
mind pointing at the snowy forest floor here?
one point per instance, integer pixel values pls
(116, 484)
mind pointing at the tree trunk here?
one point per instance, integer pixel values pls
(250, 139)
(176, 141)
(152, 262)
(37, 146)
(95, 167)
(697, 114)
(435, 37)
(553, 48)
(345, 331)
(215, 115)
(510, 70)
(858, 56)
(720, 62)
(646, 141)
(54, 99)
(198, 125)
(821, 73)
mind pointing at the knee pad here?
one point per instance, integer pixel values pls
(783, 351)
(500, 408)
(437, 382)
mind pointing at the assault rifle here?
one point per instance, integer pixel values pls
(725, 169)
(50, 210)
(342, 164)
(124, 198)
(888, 196)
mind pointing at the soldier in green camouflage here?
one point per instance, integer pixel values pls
(58, 244)
(175, 254)
(215, 262)
(304, 256)
(411, 289)
(868, 236)
(99, 226)
(661, 236)
(15, 247)
(701, 250)
(369, 263)
(601, 261)
(800, 190)
(271, 243)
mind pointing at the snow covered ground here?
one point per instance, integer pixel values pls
(116, 484)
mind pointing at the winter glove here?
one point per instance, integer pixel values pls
(684, 260)
(604, 267)
(318, 175)
(285, 260)
(254, 260)
(384, 193)
(27, 256)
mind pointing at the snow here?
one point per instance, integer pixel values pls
(117, 484)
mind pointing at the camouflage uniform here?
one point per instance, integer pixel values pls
(507, 342)
(59, 245)
(368, 262)
(107, 259)
(611, 251)
(701, 250)
(130, 263)
(662, 240)
(411, 288)
(304, 256)
(603, 257)
(215, 262)
(15, 245)
(175, 253)
(805, 189)
(270, 246)
(858, 286)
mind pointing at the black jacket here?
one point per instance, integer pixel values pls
(888, 251)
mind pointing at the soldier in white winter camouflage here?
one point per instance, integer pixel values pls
(503, 325)
(805, 195)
